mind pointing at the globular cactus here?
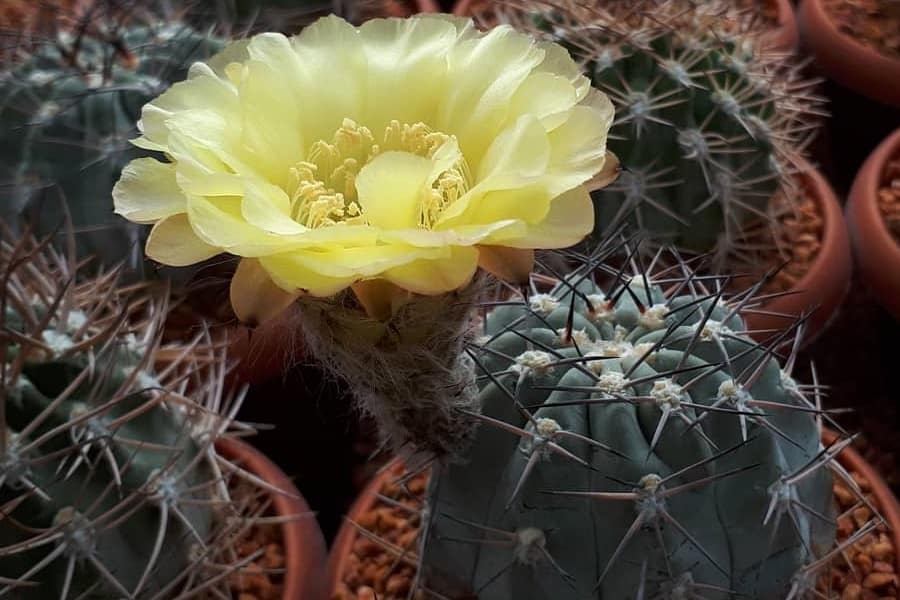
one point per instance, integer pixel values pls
(110, 482)
(68, 107)
(710, 124)
(633, 444)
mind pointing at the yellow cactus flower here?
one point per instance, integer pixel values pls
(409, 151)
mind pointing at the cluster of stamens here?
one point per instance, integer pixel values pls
(322, 188)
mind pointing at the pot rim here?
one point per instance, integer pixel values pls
(863, 196)
(825, 284)
(834, 230)
(847, 51)
(888, 505)
(304, 545)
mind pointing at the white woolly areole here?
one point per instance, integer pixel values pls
(734, 393)
(143, 379)
(530, 543)
(543, 304)
(75, 320)
(596, 366)
(650, 482)
(613, 381)
(712, 330)
(667, 393)
(547, 428)
(533, 361)
(642, 351)
(599, 313)
(58, 342)
(578, 338)
(654, 317)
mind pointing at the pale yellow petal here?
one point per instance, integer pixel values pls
(558, 61)
(173, 242)
(147, 191)
(271, 131)
(485, 71)
(204, 90)
(463, 235)
(255, 298)
(407, 55)
(235, 51)
(267, 207)
(332, 74)
(578, 146)
(391, 188)
(436, 276)
(517, 159)
(547, 96)
(569, 220)
(325, 272)
(290, 274)
(219, 222)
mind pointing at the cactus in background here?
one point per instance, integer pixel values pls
(633, 443)
(109, 479)
(68, 107)
(710, 125)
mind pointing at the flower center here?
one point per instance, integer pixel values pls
(322, 188)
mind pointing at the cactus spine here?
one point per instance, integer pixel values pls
(633, 443)
(110, 482)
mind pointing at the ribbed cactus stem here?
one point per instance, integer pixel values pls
(633, 442)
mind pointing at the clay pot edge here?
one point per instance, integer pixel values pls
(843, 58)
(829, 277)
(304, 546)
(872, 240)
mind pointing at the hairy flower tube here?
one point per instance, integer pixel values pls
(405, 151)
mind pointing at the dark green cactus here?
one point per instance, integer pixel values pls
(634, 443)
(68, 109)
(710, 124)
(110, 483)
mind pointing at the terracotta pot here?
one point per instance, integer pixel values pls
(846, 60)
(887, 502)
(828, 279)
(785, 37)
(304, 546)
(849, 458)
(877, 251)
(343, 542)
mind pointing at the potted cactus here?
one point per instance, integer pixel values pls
(119, 460)
(68, 108)
(710, 130)
(873, 216)
(630, 434)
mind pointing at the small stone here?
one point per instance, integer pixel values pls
(853, 591)
(874, 581)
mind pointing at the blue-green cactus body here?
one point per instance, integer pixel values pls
(624, 419)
